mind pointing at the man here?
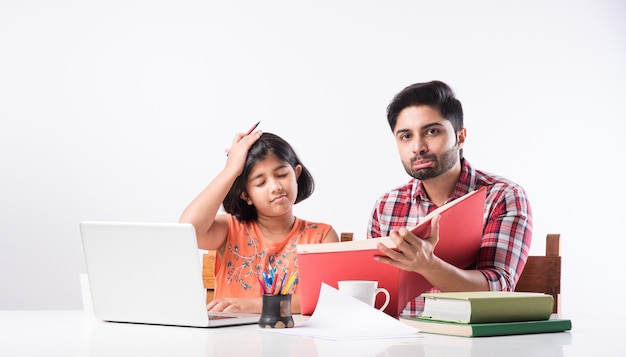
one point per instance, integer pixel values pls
(427, 122)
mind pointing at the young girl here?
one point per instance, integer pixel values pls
(262, 179)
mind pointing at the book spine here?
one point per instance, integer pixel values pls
(503, 310)
(520, 328)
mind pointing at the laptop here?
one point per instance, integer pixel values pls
(149, 273)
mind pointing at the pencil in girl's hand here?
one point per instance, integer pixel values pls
(253, 127)
(248, 132)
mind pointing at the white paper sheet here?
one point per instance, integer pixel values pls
(338, 316)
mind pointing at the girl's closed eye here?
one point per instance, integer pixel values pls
(257, 180)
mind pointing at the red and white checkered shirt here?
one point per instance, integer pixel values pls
(507, 227)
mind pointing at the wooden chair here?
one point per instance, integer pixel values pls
(208, 277)
(345, 236)
(542, 274)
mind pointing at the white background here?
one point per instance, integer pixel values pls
(121, 110)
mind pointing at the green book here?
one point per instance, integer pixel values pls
(488, 329)
(487, 306)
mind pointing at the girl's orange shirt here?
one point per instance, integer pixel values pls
(247, 254)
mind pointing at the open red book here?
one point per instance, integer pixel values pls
(460, 233)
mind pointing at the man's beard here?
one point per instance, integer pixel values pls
(441, 165)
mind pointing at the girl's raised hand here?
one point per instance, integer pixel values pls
(238, 151)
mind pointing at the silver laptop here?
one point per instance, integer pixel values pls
(149, 273)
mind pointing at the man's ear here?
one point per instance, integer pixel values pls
(460, 138)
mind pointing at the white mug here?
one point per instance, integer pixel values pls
(364, 290)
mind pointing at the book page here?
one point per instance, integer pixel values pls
(364, 244)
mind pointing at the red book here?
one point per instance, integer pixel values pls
(460, 233)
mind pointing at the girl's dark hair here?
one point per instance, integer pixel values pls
(267, 144)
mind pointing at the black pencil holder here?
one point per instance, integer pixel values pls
(276, 312)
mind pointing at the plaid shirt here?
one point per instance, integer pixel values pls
(507, 227)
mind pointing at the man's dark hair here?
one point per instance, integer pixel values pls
(435, 94)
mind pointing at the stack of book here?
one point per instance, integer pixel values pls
(487, 313)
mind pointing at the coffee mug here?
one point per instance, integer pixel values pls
(364, 290)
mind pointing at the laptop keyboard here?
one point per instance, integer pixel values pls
(219, 317)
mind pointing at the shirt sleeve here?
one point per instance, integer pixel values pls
(506, 237)
(373, 226)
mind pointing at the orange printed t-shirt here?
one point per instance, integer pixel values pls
(247, 254)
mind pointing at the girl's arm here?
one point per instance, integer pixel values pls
(331, 236)
(211, 229)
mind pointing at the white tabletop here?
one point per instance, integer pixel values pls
(72, 333)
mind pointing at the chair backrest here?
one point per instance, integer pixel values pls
(208, 276)
(346, 236)
(542, 274)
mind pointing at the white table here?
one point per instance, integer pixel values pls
(72, 333)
